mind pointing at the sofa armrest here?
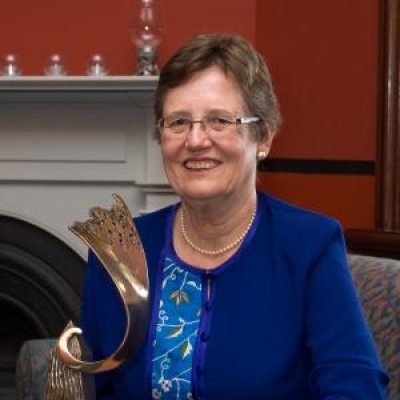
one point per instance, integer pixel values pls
(31, 368)
(378, 284)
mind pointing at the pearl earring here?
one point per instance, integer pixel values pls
(261, 155)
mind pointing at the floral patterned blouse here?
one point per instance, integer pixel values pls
(176, 332)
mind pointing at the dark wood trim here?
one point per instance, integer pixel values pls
(373, 243)
(384, 241)
(308, 166)
(388, 161)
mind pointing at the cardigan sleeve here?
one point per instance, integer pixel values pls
(345, 364)
(90, 325)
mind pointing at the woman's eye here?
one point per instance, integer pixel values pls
(178, 122)
(219, 122)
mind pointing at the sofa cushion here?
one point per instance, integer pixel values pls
(378, 285)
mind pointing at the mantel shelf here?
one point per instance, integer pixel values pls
(78, 83)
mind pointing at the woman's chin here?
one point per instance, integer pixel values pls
(204, 192)
(200, 193)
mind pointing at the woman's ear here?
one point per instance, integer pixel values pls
(263, 147)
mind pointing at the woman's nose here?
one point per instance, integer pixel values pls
(198, 137)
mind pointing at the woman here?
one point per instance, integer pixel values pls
(251, 298)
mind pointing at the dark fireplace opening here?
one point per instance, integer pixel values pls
(40, 289)
(13, 334)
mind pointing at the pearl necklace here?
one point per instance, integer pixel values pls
(222, 249)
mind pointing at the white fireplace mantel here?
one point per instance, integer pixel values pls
(67, 143)
(78, 83)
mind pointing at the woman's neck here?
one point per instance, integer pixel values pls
(208, 233)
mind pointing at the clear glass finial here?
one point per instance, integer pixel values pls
(11, 67)
(96, 66)
(55, 67)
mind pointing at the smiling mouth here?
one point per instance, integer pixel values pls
(200, 164)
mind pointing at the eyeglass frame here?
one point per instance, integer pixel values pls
(204, 124)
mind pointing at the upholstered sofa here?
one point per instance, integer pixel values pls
(378, 284)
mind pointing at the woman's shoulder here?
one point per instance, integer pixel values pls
(153, 231)
(154, 219)
(297, 217)
(298, 230)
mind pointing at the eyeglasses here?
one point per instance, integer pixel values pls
(179, 125)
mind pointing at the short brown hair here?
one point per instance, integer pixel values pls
(239, 60)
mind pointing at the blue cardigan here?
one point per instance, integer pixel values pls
(283, 322)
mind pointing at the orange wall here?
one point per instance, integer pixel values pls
(323, 58)
(79, 28)
(349, 198)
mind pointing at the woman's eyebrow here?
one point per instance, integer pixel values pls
(179, 113)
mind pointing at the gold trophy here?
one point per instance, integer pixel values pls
(112, 236)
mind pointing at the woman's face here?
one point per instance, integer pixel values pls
(204, 164)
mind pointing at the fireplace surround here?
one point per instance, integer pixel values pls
(66, 144)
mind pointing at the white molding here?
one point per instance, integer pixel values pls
(55, 135)
(78, 83)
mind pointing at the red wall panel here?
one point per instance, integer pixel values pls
(323, 57)
(350, 199)
(324, 60)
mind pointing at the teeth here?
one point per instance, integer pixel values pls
(200, 164)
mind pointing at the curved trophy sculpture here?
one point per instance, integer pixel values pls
(112, 236)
